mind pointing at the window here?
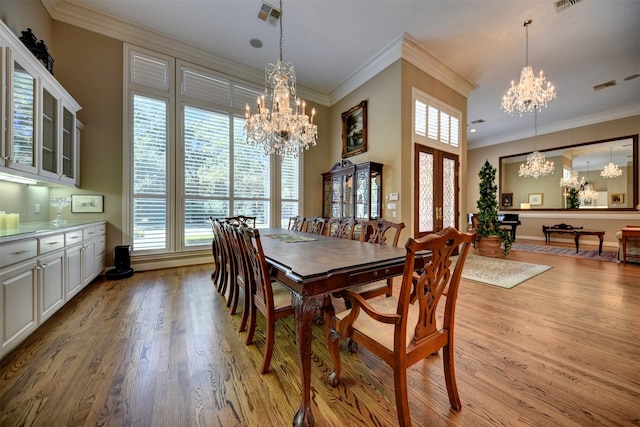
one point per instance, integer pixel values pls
(189, 159)
(435, 122)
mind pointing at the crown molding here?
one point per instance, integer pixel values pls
(416, 55)
(127, 32)
(619, 113)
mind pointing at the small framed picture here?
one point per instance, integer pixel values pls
(535, 199)
(617, 198)
(354, 130)
(507, 199)
(81, 203)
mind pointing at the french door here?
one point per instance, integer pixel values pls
(435, 190)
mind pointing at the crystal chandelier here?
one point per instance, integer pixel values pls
(277, 127)
(611, 170)
(536, 165)
(530, 94)
(588, 193)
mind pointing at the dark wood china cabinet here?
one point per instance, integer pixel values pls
(353, 191)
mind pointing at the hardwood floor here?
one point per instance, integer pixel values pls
(161, 349)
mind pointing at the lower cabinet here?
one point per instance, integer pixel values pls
(18, 299)
(51, 283)
(35, 283)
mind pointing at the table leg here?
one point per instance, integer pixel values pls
(304, 311)
(601, 237)
(624, 249)
(577, 241)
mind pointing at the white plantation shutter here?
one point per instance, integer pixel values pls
(290, 189)
(435, 122)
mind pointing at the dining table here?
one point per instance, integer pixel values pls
(313, 267)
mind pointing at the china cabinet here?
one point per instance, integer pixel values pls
(353, 190)
(39, 118)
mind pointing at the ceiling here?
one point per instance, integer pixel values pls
(331, 42)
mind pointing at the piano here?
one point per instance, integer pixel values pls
(510, 220)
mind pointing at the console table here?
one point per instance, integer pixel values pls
(633, 232)
(575, 231)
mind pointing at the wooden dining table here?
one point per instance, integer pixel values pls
(314, 266)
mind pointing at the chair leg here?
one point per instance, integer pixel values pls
(252, 324)
(236, 296)
(268, 348)
(402, 396)
(245, 307)
(450, 377)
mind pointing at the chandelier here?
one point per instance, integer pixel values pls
(277, 126)
(587, 192)
(611, 170)
(530, 94)
(536, 165)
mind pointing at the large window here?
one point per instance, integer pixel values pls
(189, 159)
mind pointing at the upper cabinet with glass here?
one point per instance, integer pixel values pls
(353, 191)
(39, 116)
(579, 180)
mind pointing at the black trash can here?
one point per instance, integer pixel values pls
(122, 262)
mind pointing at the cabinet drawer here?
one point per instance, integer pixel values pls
(89, 232)
(10, 253)
(72, 237)
(101, 229)
(50, 243)
(101, 245)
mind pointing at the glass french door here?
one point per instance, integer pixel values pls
(436, 190)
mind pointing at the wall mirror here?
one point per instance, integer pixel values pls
(586, 162)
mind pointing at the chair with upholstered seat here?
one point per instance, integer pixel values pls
(269, 297)
(379, 232)
(406, 329)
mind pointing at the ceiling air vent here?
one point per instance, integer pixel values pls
(605, 85)
(269, 13)
(565, 4)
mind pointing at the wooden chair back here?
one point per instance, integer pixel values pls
(315, 225)
(296, 223)
(375, 231)
(341, 228)
(243, 219)
(403, 330)
(269, 297)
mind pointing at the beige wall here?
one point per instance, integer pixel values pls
(532, 221)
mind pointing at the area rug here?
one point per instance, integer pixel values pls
(289, 238)
(608, 256)
(500, 272)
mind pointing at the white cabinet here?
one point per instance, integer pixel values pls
(38, 275)
(18, 297)
(39, 116)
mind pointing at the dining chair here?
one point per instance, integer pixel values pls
(243, 280)
(315, 225)
(406, 329)
(342, 228)
(231, 266)
(219, 240)
(243, 219)
(379, 232)
(268, 296)
(296, 223)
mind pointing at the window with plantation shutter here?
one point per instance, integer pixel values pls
(435, 122)
(189, 160)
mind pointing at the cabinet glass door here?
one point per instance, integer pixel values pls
(347, 207)
(49, 135)
(23, 115)
(362, 194)
(68, 145)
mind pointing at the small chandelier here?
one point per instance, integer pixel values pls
(588, 193)
(530, 94)
(277, 127)
(536, 165)
(611, 170)
(570, 181)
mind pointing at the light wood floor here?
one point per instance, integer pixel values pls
(161, 349)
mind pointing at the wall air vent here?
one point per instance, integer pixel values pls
(561, 5)
(269, 13)
(605, 85)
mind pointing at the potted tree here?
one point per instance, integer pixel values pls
(490, 236)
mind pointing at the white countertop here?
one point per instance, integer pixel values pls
(34, 228)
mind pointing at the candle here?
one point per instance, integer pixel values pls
(13, 220)
(3, 220)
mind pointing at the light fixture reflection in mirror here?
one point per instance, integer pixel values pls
(622, 151)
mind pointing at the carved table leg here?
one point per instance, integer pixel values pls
(577, 241)
(304, 310)
(332, 339)
(601, 238)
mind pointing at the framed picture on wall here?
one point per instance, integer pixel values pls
(535, 199)
(87, 203)
(507, 199)
(354, 130)
(617, 199)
